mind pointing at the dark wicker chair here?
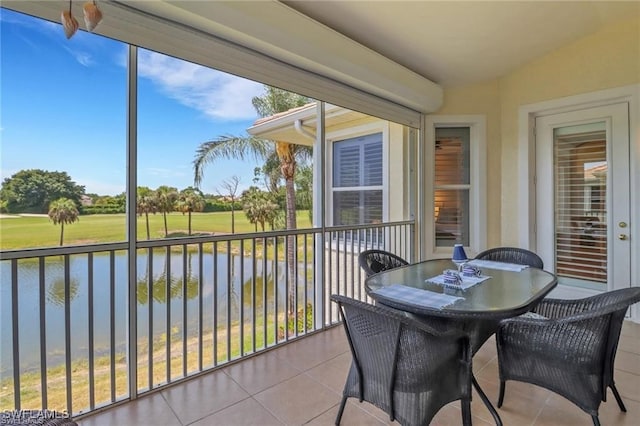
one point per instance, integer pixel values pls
(571, 351)
(374, 261)
(403, 366)
(512, 255)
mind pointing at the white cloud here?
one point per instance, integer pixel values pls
(217, 94)
(77, 47)
(83, 58)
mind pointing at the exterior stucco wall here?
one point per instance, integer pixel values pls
(607, 59)
(483, 99)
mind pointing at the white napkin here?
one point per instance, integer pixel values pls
(465, 284)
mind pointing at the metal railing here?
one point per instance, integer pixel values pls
(202, 302)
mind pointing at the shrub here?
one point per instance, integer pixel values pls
(303, 324)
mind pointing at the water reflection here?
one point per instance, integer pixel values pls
(98, 289)
(159, 286)
(56, 291)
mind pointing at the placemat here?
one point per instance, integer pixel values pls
(492, 264)
(416, 296)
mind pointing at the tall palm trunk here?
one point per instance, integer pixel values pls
(61, 233)
(189, 222)
(288, 167)
(166, 229)
(146, 216)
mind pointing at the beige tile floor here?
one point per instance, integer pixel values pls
(301, 383)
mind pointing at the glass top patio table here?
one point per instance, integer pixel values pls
(477, 309)
(505, 294)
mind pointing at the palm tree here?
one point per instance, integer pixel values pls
(273, 101)
(258, 207)
(190, 200)
(61, 211)
(166, 197)
(145, 204)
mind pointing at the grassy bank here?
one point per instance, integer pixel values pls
(30, 386)
(38, 231)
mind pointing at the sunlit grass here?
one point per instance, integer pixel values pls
(38, 231)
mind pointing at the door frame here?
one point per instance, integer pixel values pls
(526, 219)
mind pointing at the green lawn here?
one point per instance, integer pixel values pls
(30, 232)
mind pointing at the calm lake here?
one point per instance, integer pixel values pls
(54, 290)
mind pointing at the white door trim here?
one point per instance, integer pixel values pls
(526, 162)
(614, 120)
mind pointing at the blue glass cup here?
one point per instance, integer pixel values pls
(459, 256)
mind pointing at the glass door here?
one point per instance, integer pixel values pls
(580, 191)
(582, 196)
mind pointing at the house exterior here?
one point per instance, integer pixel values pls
(501, 116)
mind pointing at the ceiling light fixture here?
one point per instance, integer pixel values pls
(69, 23)
(92, 17)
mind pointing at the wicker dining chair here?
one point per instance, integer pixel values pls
(512, 255)
(374, 261)
(403, 366)
(570, 351)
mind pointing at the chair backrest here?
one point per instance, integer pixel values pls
(603, 314)
(374, 261)
(618, 301)
(403, 365)
(512, 255)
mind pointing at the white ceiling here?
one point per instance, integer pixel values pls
(455, 43)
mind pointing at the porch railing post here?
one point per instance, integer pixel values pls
(132, 229)
(319, 210)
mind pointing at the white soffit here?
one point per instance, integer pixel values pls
(274, 29)
(266, 41)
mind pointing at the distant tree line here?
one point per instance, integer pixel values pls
(56, 194)
(108, 204)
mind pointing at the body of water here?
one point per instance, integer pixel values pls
(228, 286)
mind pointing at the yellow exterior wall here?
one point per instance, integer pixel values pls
(607, 59)
(483, 99)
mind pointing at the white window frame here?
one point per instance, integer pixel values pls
(353, 132)
(477, 181)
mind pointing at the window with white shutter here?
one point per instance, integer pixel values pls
(357, 180)
(455, 184)
(452, 186)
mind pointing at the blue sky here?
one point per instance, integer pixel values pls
(63, 108)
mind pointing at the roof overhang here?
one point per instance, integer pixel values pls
(298, 125)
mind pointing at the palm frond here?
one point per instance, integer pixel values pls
(227, 146)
